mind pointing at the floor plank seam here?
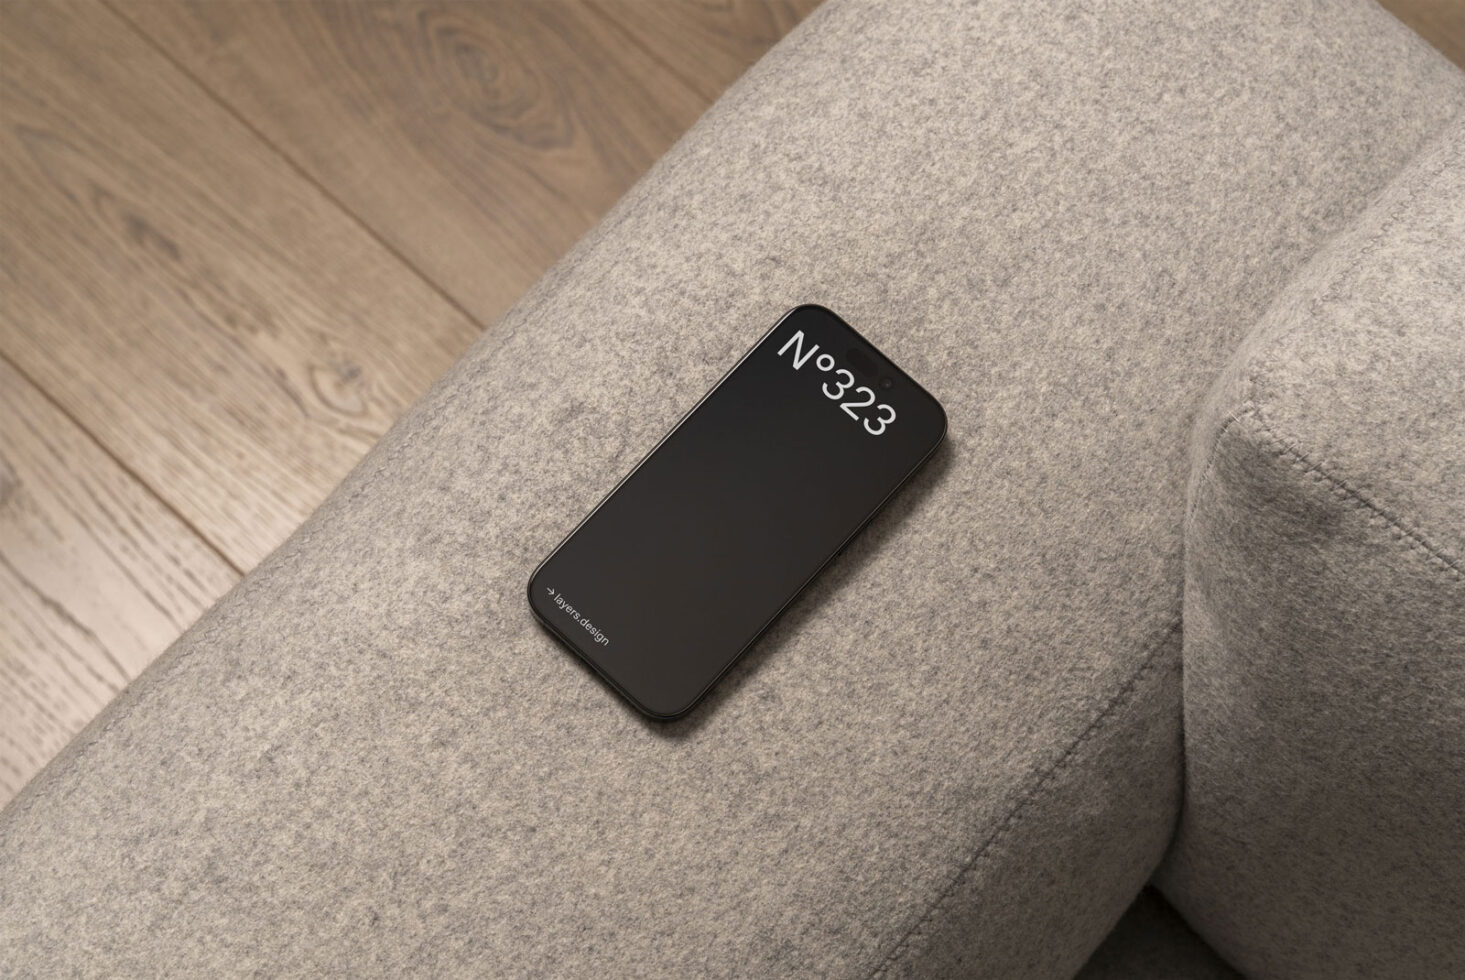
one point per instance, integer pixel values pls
(295, 166)
(121, 464)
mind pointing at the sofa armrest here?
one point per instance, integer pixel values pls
(1324, 824)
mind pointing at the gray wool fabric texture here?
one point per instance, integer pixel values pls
(959, 753)
(1324, 826)
(1152, 942)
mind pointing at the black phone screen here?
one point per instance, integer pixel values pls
(694, 554)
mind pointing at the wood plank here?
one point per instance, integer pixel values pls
(222, 325)
(707, 43)
(206, 312)
(97, 577)
(481, 140)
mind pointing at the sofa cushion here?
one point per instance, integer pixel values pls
(959, 752)
(1324, 824)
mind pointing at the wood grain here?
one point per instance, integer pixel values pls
(216, 336)
(96, 577)
(204, 311)
(481, 139)
(1440, 22)
(706, 43)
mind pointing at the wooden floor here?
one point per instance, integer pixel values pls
(238, 238)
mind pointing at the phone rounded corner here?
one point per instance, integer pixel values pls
(664, 717)
(642, 706)
(531, 590)
(945, 423)
(818, 307)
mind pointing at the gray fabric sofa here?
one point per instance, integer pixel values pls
(1180, 599)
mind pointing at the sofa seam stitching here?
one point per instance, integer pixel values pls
(1204, 477)
(1249, 407)
(1357, 498)
(1151, 659)
(1394, 213)
(1268, 357)
(1258, 380)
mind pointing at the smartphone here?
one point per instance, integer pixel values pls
(694, 554)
